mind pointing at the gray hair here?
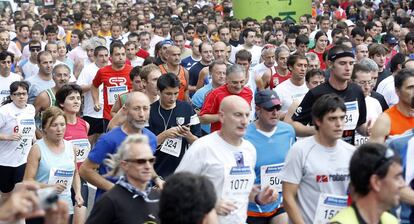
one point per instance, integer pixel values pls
(371, 64)
(236, 68)
(92, 43)
(280, 49)
(60, 65)
(114, 160)
(311, 56)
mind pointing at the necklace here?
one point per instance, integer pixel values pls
(163, 119)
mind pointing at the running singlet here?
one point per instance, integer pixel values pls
(77, 134)
(276, 79)
(399, 122)
(181, 77)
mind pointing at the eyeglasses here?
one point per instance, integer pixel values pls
(19, 94)
(363, 83)
(6, 62)
(141, 161)
(35, 49)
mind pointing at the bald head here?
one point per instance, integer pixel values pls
(234, 116)
(171, 49)
(134, 98)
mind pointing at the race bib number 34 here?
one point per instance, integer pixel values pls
(270, 176)
(351, 116)
(328, 206)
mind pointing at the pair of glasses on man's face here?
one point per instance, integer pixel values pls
(35, 49)
(141, 161)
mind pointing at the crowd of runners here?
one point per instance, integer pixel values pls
(176, 112)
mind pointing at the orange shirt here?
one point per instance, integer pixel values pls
(399, 122)
(181, 77)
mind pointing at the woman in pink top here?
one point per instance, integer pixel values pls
(68, 98)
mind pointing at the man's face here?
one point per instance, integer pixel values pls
(235, 33)
(168, 97)
(224, 35)
(218, 74)
(364, 80)
(102, 58)
(74, 39)
(235, 119)
(337, 36)
(358, 39)
(46, 64)
(379, 59)
(144, 41)
(302, 49)
(131, 50)
(138, 111)
(34, 50)
(391, 185)
(51, 37)
(312, 24)
(219, 51)
(291, 44)
(315, 81)
(331, 126)
(314, 64)
(245, 64)
(249, 40)
(4, 41)
(268, 117)
(406, 92)
(105, 26)
(190, 34)
(5, 66)
(278, 24)
(151, 82)
(116, 32)
(132, 166)
(299, 69)
(361, 52)
(279, 35)
(282, 59)
(53, 50)
(174, 55)
(137, 84)
(36, 35)
(25, 32)
(396, 30)
(179, 41)
(268, 58)
(118, 57)
(207, 53)
(303, 20)
(61, 76)
(342, 68)
(133, 26)
(95, 28)
(325, 25)
(235, 82)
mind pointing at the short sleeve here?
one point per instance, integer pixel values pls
(303, 112)
(97, 81)
(101, 149)
(292, 171)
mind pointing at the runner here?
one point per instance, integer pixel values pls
(6, 76)
(308, 185)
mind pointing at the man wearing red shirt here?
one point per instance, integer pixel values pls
(235, 85)
(115, 80)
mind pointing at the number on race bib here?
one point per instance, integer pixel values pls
(64, 182)
(80, 152)
(348, 118)
(330, 213)
(239, 184)
(274, 181)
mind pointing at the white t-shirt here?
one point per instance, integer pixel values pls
(213, 157)
(14, 119)
(137, 61)
(5, 85)
(86, 77)
(387, 89)
(14, 49)
(77, 53)
(28, 68)
(374, 109)
(317, 169)
(26, 51)
(261, 68)
(256, 52)
(288, 92)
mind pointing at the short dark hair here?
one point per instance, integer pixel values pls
(169, 80)
(313, 72)
(115, 44)
(244, 55)
(409, 37)
(357, 31)
(99, 49)
(401, 76)
(246, 31)
(367, 160)
(292, 59)
(65, 91)
(51, 29)
(134, 72)
(186, 199)
(397, 59)
(326, 104)
(5, 54)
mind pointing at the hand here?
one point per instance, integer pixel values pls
(97, 107)
(172, 132)
(370, 124)
(14, 137)
(267, 195)
(184, 131)
(159, 183)
(59, 188)
(79, 200)
(224, 208)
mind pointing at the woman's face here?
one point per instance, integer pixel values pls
(55, 130)
(72, 103)
(322, 42)
(19, 97)
(62, 50)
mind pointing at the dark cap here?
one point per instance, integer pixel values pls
(390, 39)
(267, 99)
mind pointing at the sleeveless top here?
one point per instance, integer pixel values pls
(276, 78)
(181, 77)
(52, 97)
(57, 168)
(399, 122)
(77, 134)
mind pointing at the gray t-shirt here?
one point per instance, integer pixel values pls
(37, 85)
(317, 169)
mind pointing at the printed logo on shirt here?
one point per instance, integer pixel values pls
(239, 159)
(332, 178)
(118, 81)
(298, 111)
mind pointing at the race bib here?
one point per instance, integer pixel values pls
(328, 206)
(238, 182)
(351, 116)
(360, 139)
(172, 146)
(270, 176)
(113, 93)
(26, 127)
(83, 148)
(61, 176)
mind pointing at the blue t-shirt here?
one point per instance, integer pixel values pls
(194, 72)
(188, 62)
(198, 101)
(109, 143)
(270, 150)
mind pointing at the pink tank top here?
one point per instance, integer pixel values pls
(77, 134)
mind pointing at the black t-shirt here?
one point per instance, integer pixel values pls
(161, 120)
(353, 97)
(194, 72)
(380, 99)
(119, 206)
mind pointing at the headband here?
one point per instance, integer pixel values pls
(333, 57)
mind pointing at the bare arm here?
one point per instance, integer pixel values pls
(117, 120)
(95, 94)
(303, 130)
(289, 191)
(407, 195)
(41, 102)
(76, 184)
(209, 118)
(86, 88)
(116, 107)
(88, 171)
(290, 112)
(265, 80)
(381, 129)
(187, 94)
(32, 166)
(203, 73)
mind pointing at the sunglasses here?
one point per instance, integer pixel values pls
(277, 108)
(141, 161)
(35, 49)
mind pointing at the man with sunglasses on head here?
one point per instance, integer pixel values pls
(263, 134)
(137, 107)
(6, 76)
(376, 178)
(132, 199)
(29, 66)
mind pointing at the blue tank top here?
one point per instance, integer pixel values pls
(57, 168)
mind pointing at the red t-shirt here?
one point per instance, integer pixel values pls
(142, 53)
(114, 83)
(78, 134)
(320, 56)
(213, 99)
(276, 79)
